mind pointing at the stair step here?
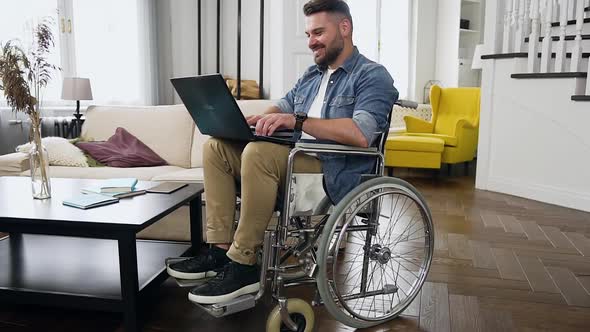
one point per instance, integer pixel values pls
(524, 55)
(556, 38)
(550, 75)
(570, 22)
(581, 98)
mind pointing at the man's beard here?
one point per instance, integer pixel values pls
(332, 53)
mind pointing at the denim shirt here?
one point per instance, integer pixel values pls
(359, 89)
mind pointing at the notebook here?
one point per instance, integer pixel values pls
(166, 187)
(88, 201)
(122, 194)
(118, 185)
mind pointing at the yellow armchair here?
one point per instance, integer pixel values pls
(453, 129)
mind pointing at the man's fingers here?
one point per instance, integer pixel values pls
(260, 125)
(267, 124)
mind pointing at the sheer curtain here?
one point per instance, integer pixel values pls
(114, 47)
(15, 25)
(382, 33)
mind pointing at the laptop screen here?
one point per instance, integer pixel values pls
(212, 107)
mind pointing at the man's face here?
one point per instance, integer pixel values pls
(324, 38)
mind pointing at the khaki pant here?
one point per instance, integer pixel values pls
(261, 167)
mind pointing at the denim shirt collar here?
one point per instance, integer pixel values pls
(348, 65)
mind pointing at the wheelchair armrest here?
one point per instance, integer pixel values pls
(334, 148)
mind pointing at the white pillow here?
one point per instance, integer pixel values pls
(61, 152)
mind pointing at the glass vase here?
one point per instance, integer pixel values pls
(39, 163)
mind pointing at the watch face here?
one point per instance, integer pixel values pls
(301, 115)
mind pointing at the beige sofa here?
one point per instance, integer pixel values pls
(171, 133)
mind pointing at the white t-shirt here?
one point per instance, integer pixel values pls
(315, 111)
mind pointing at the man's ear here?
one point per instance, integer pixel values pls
(345, 28)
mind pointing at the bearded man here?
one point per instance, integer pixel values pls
(345, 98)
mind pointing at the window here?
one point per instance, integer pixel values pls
(15, 25)
(106, 41)
(382, 33)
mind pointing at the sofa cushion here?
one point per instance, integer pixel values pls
(248, 107)
(61, 152)
(141, 173)
(167, 130)
(185, 175)
(122, 150)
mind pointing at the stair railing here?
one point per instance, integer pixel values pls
(547, 38)
(520, 25)
(507, 26)
(576, 63)
(560, 52)
(533, 60)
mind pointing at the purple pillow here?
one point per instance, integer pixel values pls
(122, 150)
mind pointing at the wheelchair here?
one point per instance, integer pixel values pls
(368, 256)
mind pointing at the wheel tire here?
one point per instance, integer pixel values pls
(299, 310)
(324, 288)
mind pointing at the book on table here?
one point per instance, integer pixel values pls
(121, 194)
(166, 187)
(118, 185)
(88, 201)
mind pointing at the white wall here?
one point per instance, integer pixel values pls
(533, 139)
(534, 142)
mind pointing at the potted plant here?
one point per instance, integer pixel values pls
(22, 77)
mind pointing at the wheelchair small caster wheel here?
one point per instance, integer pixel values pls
(300, 312)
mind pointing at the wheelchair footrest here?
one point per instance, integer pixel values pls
(238, 304)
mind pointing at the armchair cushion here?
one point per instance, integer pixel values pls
(449, 140)
(415, 143)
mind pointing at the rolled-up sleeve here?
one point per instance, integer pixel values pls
(287, 103)
(374, 101)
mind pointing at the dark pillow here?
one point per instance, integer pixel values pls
(122, 150)
(91, 161)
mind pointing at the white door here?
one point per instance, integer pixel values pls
(290, 56)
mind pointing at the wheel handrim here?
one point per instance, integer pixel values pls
(397, 265)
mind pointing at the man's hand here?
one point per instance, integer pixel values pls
(252, 119)
(267, 124)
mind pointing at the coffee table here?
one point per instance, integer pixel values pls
(90, 259)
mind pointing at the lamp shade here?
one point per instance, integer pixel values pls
(477, 63)
(76, 88)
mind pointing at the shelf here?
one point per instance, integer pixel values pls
(469, 31)
(470, 2)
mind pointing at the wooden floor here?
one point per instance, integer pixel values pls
(502, 263)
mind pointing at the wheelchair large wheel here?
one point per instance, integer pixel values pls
(389, 238)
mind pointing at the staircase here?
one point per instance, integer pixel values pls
(560, 35)
(535, 111)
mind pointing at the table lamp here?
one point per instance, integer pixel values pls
(76, 88)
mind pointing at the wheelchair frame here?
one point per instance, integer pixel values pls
(272, 269)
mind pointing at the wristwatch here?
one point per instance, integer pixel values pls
(300, 117)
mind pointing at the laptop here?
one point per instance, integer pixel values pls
(216, 113)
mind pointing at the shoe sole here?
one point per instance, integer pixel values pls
(190, 276)
(200, 299)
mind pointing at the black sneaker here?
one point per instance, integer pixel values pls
(199, 267)
(235, 280)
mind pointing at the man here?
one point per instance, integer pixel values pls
(344, 98)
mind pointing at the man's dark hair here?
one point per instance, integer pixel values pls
(330, 6)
